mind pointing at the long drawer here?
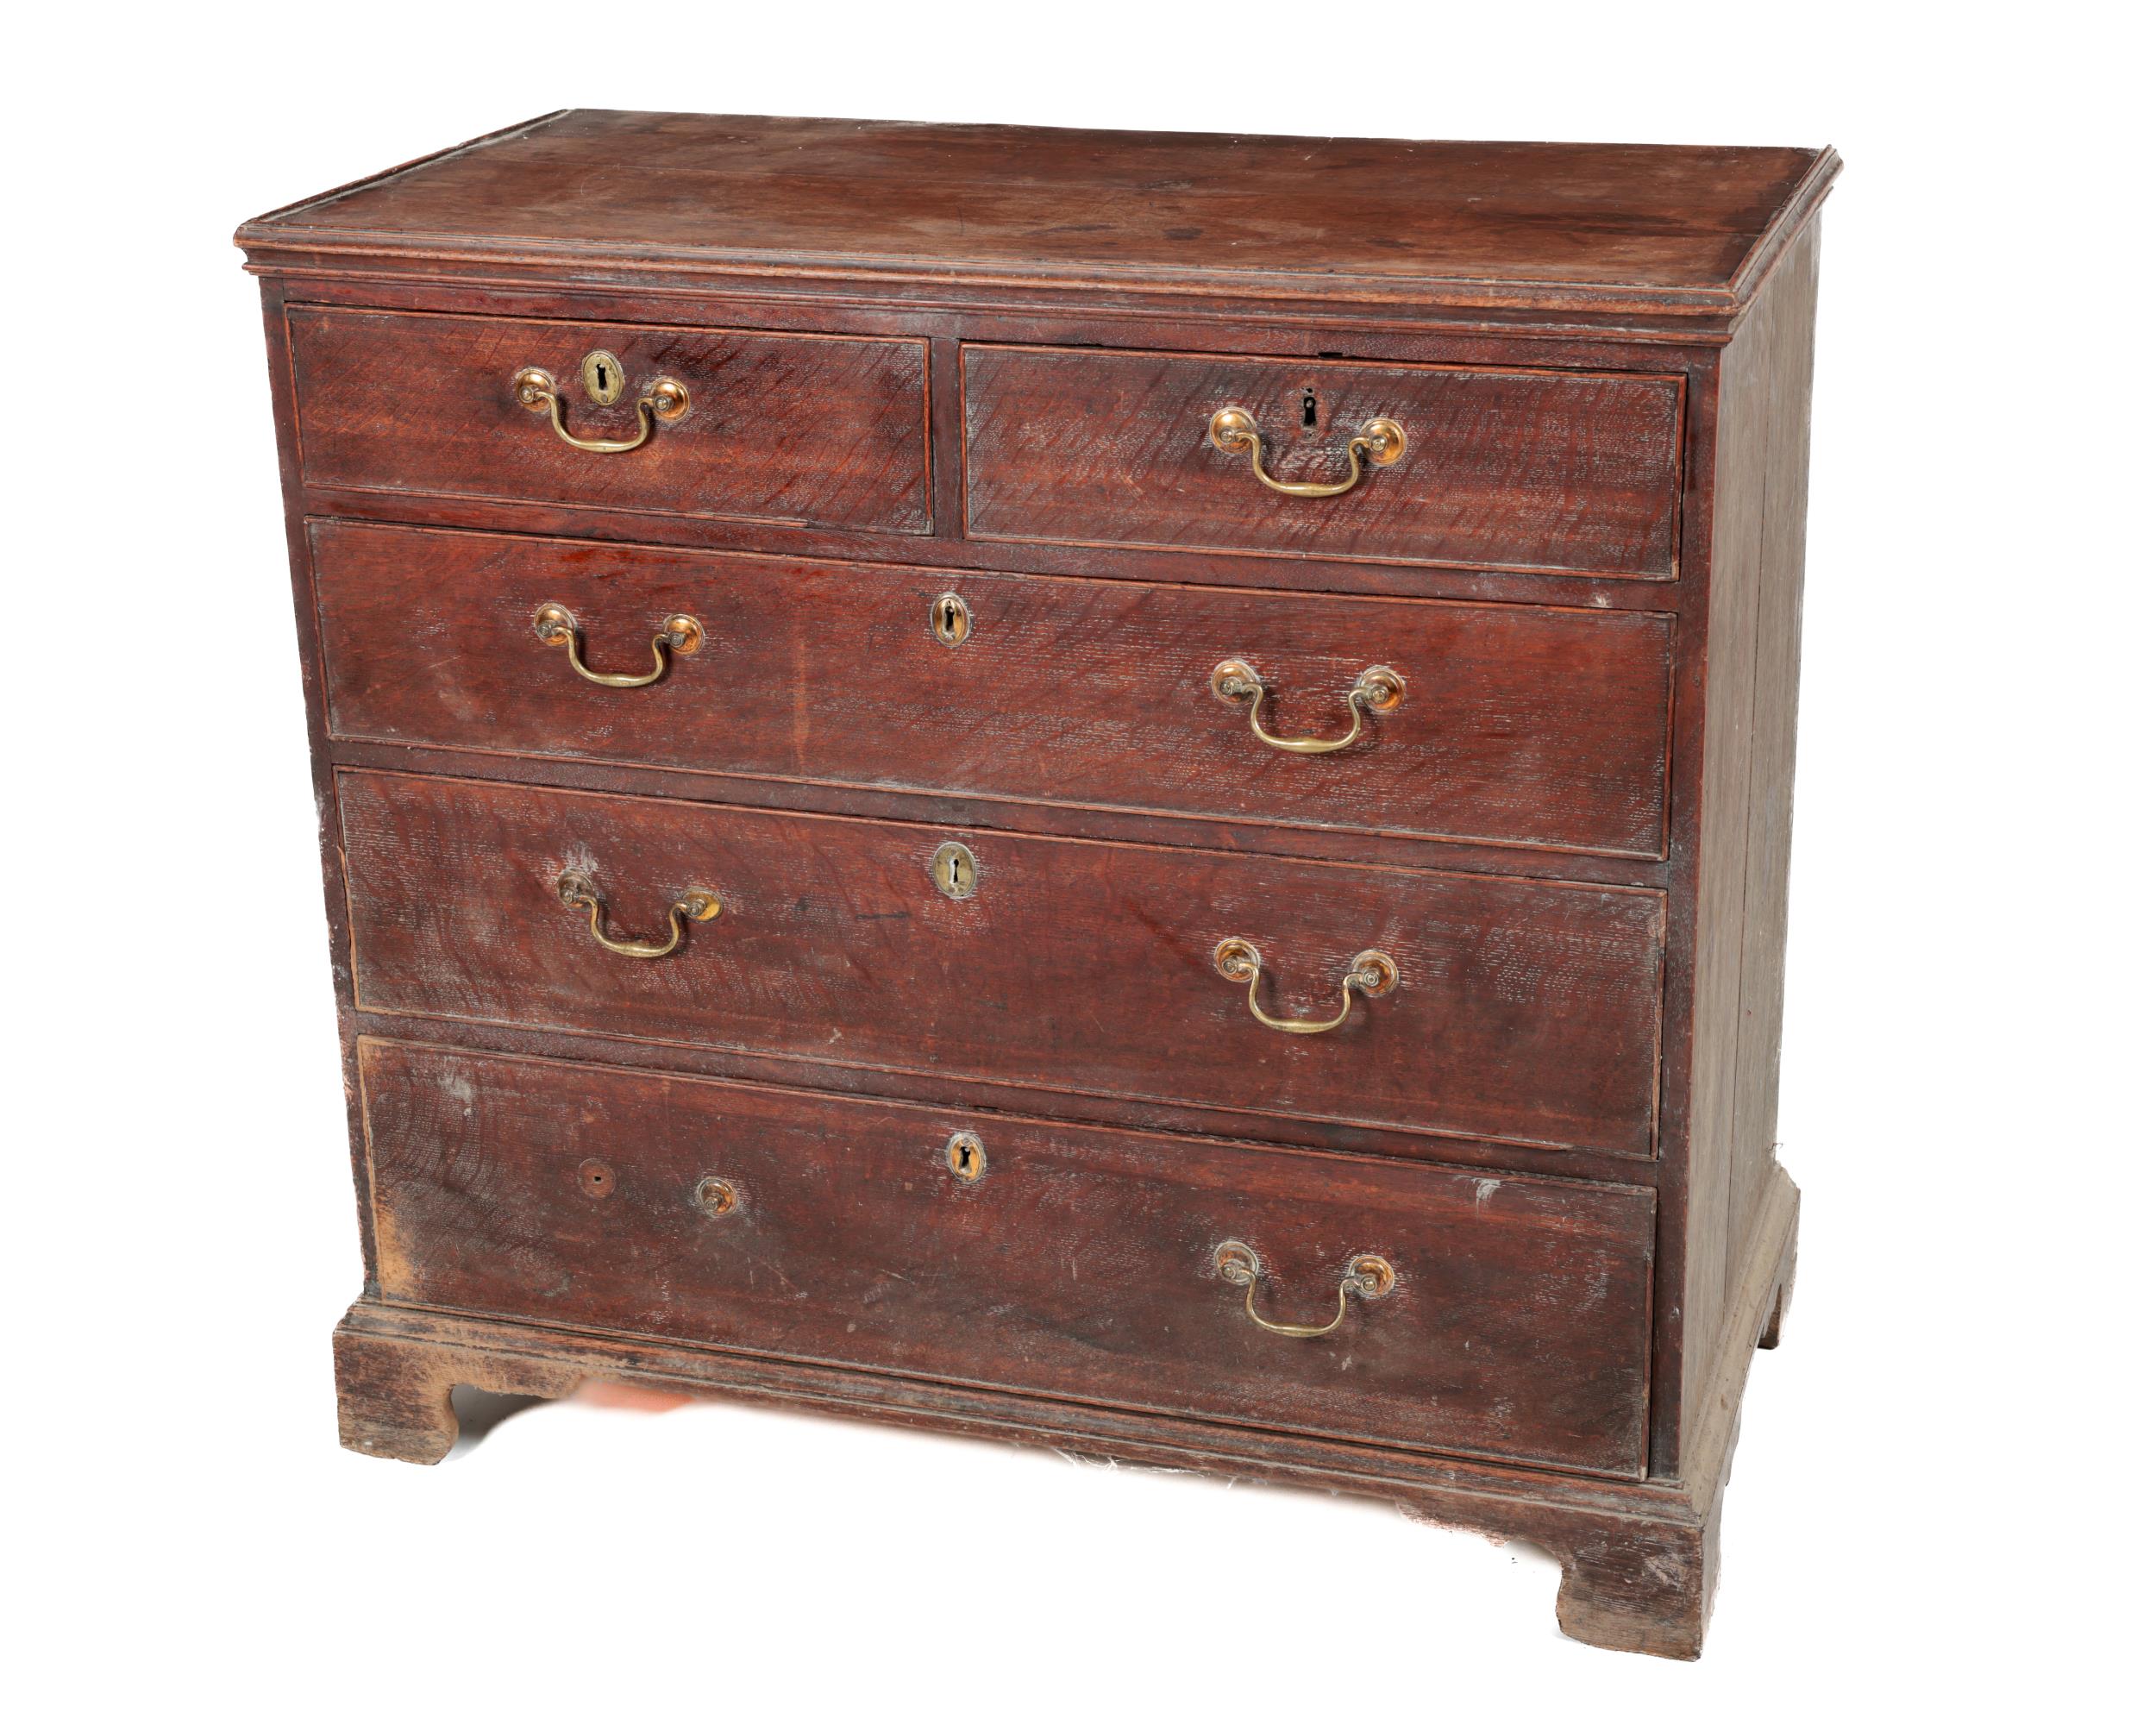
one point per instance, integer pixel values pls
(1469, 1005)
(1574, 472)
(1512, 724)
(1504, 1317)
(827, 430)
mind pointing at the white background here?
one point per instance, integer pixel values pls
(1936, 1503)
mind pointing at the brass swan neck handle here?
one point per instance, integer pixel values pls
(1379, 689)
(1368, 1278)
(557, 626)
(1380, 442)
(1369, 973)
(535, 388)
(577, 891)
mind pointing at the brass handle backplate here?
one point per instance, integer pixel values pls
(557, 627)
(1379, 689)
(535, 389)
(696, 905)
(1369, 973)
(1368, 1278)
(1380, 442)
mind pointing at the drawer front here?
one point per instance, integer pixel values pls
(1516, 723)
(1523, 1011)
(1077, 1263)
(1570, 472)
(815, 429)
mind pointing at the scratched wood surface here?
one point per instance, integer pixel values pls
(1564, 310)
(1560, 471)
(809, 428)
(1521, 725)
(1526, 1010)
(1615, 227)
(1750, 763)
(1078, 1264)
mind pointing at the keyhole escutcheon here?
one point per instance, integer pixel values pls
(951, 619)
(602, 375)
(968, 1161)
(955, 871)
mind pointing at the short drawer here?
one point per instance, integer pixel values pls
(1510, 724)
(1498, 1009)
(822, 430)
(1460, 1312)
(1574, 472)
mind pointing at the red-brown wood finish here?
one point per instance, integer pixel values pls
(1524, 1010)
(1626, 518)
(1078, 1263)
(1628, 230)
(1568, 471)
(1523, 725)
(804, 429)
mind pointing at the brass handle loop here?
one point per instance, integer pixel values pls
(696, 905)
(1368, 1278)
(555, 625)
(1234, 431)
(1369, 973)
(665, 399)
(1379, 689)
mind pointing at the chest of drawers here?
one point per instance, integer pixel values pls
(1123, 790)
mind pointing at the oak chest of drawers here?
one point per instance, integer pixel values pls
(1117, 789)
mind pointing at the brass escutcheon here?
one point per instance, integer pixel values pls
(954, 870)
(967, 1159)
(604, 379)
(715, 1196)
(951, 619)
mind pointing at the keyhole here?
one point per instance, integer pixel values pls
(968, 1161)
(602, 384)
(954, 871)
(1309, 407)
(951, 619)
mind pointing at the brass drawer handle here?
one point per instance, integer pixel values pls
(1368, 1278)
(556, 627)
(1370, 973)
(1234, 430)
(536, 390)
(580, 894)
(1379, 689)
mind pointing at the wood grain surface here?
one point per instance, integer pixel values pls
(1624, 227)
(1526, 725)
(1080, 1264)
(816, 430)
(1526, 1010)
(1567, 472)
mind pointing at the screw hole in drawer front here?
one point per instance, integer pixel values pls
(715, 1197)
(595, 1179)
(1483, 1313)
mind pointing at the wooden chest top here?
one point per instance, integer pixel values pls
(1594, 227)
